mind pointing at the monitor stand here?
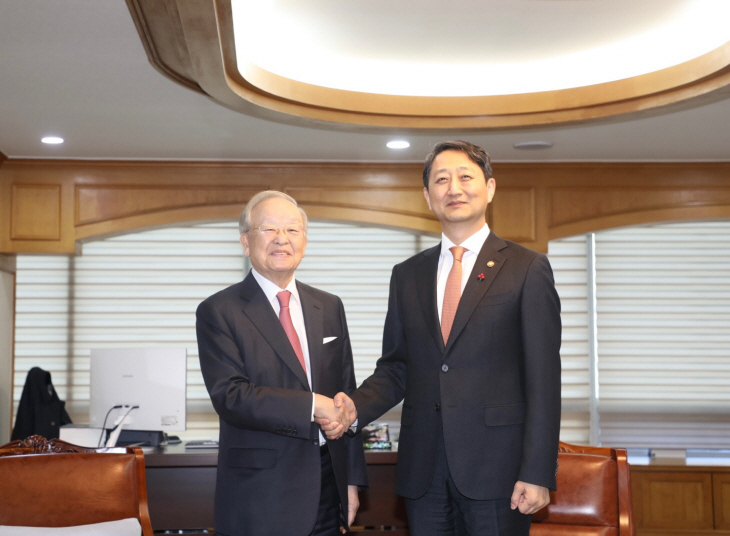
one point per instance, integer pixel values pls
(140, 438)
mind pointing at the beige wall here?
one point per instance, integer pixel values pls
(7, 309)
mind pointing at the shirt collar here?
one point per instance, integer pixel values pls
(474, 243)
(271, 289)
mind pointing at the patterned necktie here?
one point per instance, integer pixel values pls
(285, 318)
(452, 294)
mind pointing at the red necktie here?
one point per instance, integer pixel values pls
(452, 293)
(288, 325)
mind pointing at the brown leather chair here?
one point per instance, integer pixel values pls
(593, 496)
(56, 484)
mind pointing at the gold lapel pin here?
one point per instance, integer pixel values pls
(490, 264)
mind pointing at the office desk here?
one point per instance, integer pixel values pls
(181, 489)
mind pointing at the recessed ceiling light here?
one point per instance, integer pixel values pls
(532, 145)
(398, 144)
(52, 140)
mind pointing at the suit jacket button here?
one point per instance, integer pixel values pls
(437, 407)
(315, 442)
(445, 368)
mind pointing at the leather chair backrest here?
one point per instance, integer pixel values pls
(54, 490)
(587, 500)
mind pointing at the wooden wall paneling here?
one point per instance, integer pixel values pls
(100, 203)
(6, 209)
(534, 202)
(607, 207)
(109, 209)
(512, 214)
(673, 500)
(36, 212)
(388, 206)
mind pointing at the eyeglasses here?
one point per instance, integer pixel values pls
(292, 229)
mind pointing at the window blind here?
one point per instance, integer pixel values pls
(568, 259)
(664, 335)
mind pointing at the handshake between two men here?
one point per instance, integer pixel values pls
(334, 416)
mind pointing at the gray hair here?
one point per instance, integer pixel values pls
(244, 221)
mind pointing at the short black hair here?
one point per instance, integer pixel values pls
(475, 153)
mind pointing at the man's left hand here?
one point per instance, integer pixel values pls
(353, 503)
(529, 498)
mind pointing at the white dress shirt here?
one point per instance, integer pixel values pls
(295, 308)
(473, 244)
(297, 318)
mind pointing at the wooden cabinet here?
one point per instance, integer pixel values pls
(721, 494)
(671, 498)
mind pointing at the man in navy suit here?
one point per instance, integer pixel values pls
(272, 352)
(475, 358)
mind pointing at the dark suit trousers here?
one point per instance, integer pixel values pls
(443, 511)
(328, 516)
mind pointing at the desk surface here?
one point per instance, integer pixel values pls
(179, 456)
(646, 464)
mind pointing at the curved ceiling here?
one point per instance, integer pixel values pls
(472, 65)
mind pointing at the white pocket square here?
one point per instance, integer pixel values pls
(328, 339)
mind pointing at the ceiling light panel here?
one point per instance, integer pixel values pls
(508, 48)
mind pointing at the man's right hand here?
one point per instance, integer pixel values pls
(335, 424)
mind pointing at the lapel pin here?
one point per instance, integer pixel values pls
(490, 264)
(480, 277)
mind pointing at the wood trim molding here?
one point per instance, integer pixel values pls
(7, 264)
(50, 206)
(158, 25)
(193, 43)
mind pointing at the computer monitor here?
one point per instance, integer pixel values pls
(148, 385)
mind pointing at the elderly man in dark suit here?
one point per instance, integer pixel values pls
(471, 345)
(272, 352)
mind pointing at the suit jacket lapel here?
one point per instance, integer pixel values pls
(314, 325)
(476, 287)
(426, 273)
(259, 311)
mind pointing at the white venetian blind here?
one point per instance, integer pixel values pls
(664, 335)
(568, 260)
(357, 267)
(142, 289)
